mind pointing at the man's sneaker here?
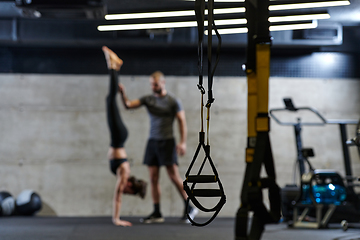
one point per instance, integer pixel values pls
(153, 218)
(192, 213)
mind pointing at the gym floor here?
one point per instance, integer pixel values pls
(101, 228)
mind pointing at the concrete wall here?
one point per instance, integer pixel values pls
(54, 137)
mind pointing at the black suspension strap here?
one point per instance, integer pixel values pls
(198, 178)
(258, 151)
(356, 139)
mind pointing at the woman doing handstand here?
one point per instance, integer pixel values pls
(118, 134)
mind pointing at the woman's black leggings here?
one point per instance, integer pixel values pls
(118, 131)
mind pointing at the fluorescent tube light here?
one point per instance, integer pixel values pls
(149, 15)
(167, 25)
(227, 10)
(223, 1)
(217, 22)
(146, 26)
(293, 5)
(228, 22)
(274, 28)
(299, 17)
(275, 7)
(293, 26)
(308, 5)
(170, 14)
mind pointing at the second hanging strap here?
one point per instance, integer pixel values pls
(199, 178)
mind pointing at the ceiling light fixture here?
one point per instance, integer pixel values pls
(223, 22)
(302, 5)
(277, 5)
(222, 1)
(146, 26)
(285, 27)
(149, 15)
(302, 17)
(273, 7)
(170, 14)
(306, 25)
(167, 25)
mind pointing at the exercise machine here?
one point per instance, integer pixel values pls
(356, 143)
(323, 195)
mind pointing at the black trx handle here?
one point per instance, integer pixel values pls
(206, 192)
(201, 179)
(194, 179)
(357, 137)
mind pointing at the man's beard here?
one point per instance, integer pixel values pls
(158, 91)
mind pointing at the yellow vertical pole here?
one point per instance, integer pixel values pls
(263, 74)
(252, 113)
(258, 151)
(258, 97)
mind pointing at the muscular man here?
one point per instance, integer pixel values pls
(161, 148)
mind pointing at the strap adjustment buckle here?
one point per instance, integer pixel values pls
(201, 88)
(210, 99)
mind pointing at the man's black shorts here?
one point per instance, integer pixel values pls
(160, 152)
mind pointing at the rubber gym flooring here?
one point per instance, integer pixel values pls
(101, 228)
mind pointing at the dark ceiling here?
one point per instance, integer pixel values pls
(59, 27)
(346, 15)
(32, 43)
(142, 5)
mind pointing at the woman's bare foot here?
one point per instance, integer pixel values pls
(112, 60)
(123, 223)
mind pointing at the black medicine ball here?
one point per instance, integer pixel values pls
(28, 202)
(7, 204)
